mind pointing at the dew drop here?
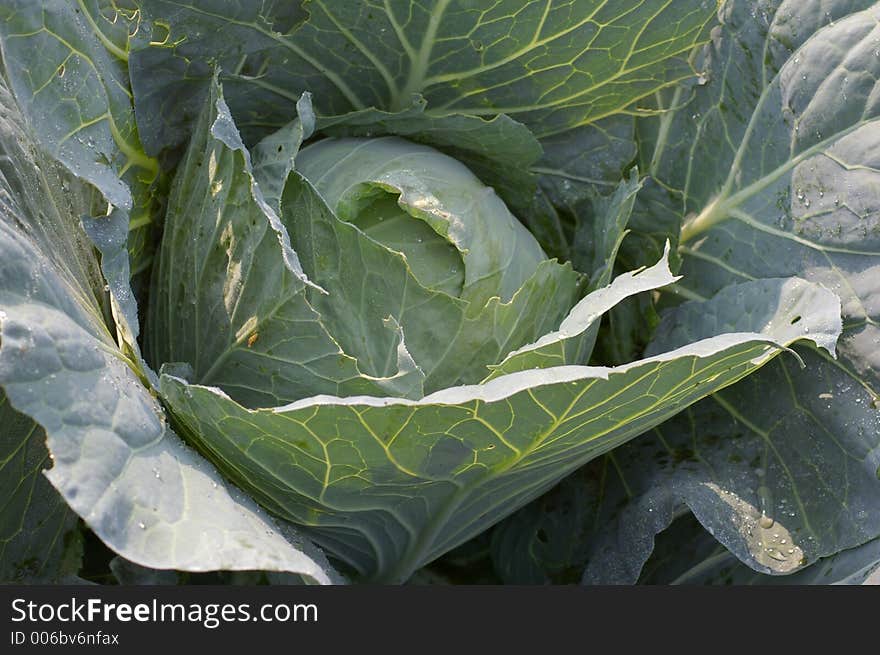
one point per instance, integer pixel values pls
(765, 498)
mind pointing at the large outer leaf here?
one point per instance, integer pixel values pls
(116, 462)
(38, 537)
(772, 166)
(776, 486)
(77, 96)
(390, 484)
(786, 143)
(552, 64)
(607, 515)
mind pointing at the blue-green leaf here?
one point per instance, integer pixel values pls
(573, 342)
(77, 98)
(770, 168)
(606, 516)
(117, 464)
(39, 539)
(550, 64)
(686, 554)
(389, 484)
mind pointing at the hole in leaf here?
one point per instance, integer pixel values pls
(795, 320)
(542, 536)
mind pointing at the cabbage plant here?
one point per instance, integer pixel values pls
(397, 291)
